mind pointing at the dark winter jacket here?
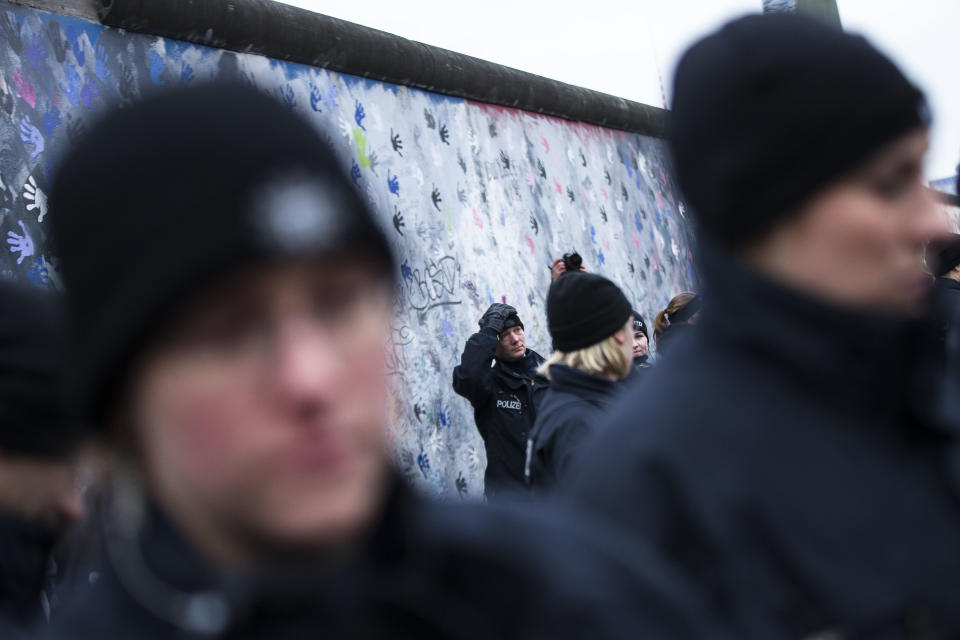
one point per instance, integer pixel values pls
(573, 409)
(504, 398)
(787, 462)
(430, 570)
(27, 575)
(947, 304)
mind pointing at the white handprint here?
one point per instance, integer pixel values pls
(37, 199)
(346, 128)
(20, 244)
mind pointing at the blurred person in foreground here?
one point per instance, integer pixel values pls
(229, 340)
(498, 375)
(591, 324)
(789, 459)
(39, 454)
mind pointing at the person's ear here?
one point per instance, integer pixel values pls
(620, 336)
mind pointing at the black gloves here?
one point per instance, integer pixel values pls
(496, 315)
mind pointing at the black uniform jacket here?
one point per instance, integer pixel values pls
(572, 410)
(504, 398)
(429, 570)
(784, 458)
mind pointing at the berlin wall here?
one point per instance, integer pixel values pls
(476, 200)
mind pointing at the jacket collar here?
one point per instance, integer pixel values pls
(861, 361)
(594, 389)
(947, 283)
(517, 371)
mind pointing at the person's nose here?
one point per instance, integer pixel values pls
(71, 504)
(931, 224)
(306, 366)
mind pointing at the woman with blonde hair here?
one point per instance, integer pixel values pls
(681, 311)
(591, 323)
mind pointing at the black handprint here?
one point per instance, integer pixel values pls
(398, 223)
(505, 160)
(606, 174)
(435, 196)
(11, 31)
(462, 163)
(534, 225)
(583, 159)
(646, 261)
(396, 143)
(483, 196)
(461, 484)
(493, 129)
(76, 130)
(431, 121)
(570, 194)
(603, 214)
(541, 170)
(623, 190)
(444, 134)
(7, 100)
(417, 411)
(631, 267)
(57, 40)
(127, 84)
(462, 195)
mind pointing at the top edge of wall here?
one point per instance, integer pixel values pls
(288, 33)
(77, 8)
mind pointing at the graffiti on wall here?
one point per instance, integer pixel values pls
(476, 200)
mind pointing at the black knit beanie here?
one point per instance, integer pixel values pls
(584, 309)
(166, 197)
(33, 420)
(513, 320)
(639, 324)
(770, 109)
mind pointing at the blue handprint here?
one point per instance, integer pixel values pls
(406, 271)
(51, 119)
(71, 84)
(355, 173)
(424, 463)
(394, 184)
(88, 92)
(37, 51)
(31, 136)
(39, 273)
(186, 74)
(601, 257)
(445, 416)
(157, 67)
(316, 98)
(22, 244)
(101, 70)
(359, 114)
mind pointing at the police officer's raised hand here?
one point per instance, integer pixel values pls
(496, 315)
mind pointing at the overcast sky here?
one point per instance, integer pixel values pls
(627, 47)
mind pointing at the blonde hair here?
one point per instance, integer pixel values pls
(604, 359)
(662, 321)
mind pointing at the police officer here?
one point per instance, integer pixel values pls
(39, 454)
(498, 375)
(787, 459)
(229, 342)
(641, 342)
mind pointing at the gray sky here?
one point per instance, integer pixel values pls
(626, 47)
